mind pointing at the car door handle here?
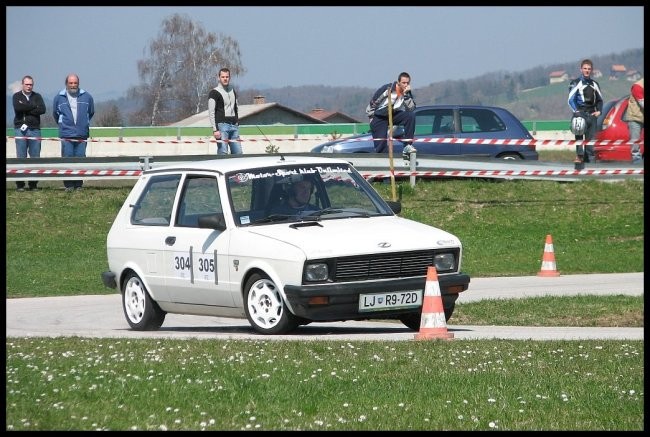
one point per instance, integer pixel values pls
(169, 241)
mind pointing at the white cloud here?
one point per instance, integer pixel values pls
(14, 87)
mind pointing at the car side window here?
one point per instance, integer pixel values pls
(435, 121)
(199, 197)
(423, 122)
(154, 207)
(480, 120)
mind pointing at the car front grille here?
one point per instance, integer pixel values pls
(387, 266)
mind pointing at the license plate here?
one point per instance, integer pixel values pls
(390, 301)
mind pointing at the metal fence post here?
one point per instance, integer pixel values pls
(145, 162)
(412, 167)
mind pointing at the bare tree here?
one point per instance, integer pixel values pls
(108, 115)
(182, 63)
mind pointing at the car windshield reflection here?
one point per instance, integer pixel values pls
(298, 193)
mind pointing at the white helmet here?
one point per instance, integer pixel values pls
(578, 124)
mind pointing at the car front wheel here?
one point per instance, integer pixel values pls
(141, 312)
(265, 308)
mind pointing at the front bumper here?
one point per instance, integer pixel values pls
(343, 298)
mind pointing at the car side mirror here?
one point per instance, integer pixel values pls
(212, 221)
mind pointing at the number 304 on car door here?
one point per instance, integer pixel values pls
(203, 266)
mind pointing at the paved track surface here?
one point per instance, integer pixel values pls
(101, 316)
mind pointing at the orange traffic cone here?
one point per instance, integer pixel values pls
(433, 323)
(548, 260)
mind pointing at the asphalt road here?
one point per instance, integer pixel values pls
(101, 316)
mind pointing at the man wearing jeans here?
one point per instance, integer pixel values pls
(28, 108)
(73, 108)
(634, 118)
(224, 115)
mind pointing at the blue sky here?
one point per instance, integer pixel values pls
(334, 45)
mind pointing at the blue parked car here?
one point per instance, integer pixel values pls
(451, 121)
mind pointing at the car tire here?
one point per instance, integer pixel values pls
(142, 313)
(510, 157)
(265, 309)
(413, 320)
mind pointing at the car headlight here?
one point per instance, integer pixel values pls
(316, 272)
(445, 262)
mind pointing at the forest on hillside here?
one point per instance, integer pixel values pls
(528, 94)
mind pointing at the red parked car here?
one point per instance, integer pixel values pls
(611, 126)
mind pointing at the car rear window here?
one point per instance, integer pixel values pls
(480, 120)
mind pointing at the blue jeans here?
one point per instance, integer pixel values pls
(229, 132)
(635, 135)
(31, 147)
(73, 149)
(379, 128)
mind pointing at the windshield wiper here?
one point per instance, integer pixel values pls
(322, 212)
(328, 211)
(272, 218)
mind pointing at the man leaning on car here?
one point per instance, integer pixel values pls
(402, 105)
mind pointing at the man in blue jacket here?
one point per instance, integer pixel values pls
(73, 108)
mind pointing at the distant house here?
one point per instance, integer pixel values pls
(632, 75)
(331, 116)
(259, 113)
(558, 76)
(617, 71)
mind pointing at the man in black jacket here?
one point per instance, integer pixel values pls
(28, 108)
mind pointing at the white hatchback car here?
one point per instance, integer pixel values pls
(208, 238)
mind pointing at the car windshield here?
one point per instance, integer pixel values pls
(301, 193)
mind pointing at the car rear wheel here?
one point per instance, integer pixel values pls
(265, 308)
(141, 312)
(510, 157)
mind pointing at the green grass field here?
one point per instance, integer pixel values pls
(56, 246)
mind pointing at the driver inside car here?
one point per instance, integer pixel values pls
(296, 200)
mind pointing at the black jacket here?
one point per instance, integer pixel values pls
(28, 111)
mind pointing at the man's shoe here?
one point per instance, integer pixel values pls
(20, 189)
(406, 152)
(69, 189)
(79, 188)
